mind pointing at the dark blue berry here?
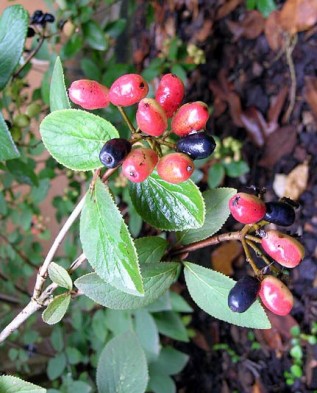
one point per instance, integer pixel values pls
(197, 146)
(114, 152)
(30, 33)
(37, 17)
(243, 294)
(279, 213)
(49, 18)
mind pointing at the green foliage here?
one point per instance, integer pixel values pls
(122, 366)
(60, 276)
(107, 243)
(210, 289)
(58, 95)
(171, 207)
(264, 6)
(56, 310)
(8, 149)
(10, 384)
(13, 28)
(75, 137)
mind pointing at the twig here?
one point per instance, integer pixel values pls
(126, 119)
(292, 94)
(30, 57)
(17, 251)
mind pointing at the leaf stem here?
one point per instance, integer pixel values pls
(127, 120)
(257, 250)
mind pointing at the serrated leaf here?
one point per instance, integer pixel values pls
(157, 278)
(150, 249)
(166, 206)
(55, 311)
(107, 243)
(13, 27)
(75, 137)
(122, 366)
(170, 362)
(146, 330)
(210, 289)
(8, 150)
(10, 384)
(217, 212)
(58, 95)
(60, 276)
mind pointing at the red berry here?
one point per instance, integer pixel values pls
(276, 296)
(283, 248)
(247, 208)
(175, 167)
(139, 164)
(150, 117)
(189, 118)
(170, 93)
(128, 90)
(89, 94)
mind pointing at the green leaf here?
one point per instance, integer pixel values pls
(13, 27)
(60, 276)
(170, 362)
(163, 303)
(217, 212)
(8, 150)
(122, 366)
(236, 168)
(118, 321)
(266, 7)
(57, 338)
(170, 324)
(150, 249)
(56, 366)
(216, 173)
(10, 384)
(210, 289)
(58, 95)
(56, 309)
(179, 304)
(170, 207)
(161, 384)
(75, 137)
(107, 243)
(94, 36)
(157, 278)
(148, 335)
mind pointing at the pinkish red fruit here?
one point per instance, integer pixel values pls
(247, 208)
(190, 117)
(128, 90)
(283, 248)
(89, 94)
(175, 167)
(275, 296)
(170, 93)
(150, 117)
(139, 164)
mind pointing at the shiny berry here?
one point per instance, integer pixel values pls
(175, 167)
(89, 94)
(275, 296)
(150, 117)
(31, 32)
(247, 208)
(283, 248)
(243, 294)
(114, 152)
(128, 90)
(190, 117)
(37, 17)
(49, 18)
(197, 146)
(139, 164)
(170, 93)
(279, 213)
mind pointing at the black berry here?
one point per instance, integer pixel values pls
(49, 18)
(30, 33)
(243, 294)
(114, 152)
(279, 213)
(37, 17)
(197, 146)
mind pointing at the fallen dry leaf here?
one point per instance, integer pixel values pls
(278, 144)
(310, 93)
(254, 123)
(296, 181)
(276, 106)
(227, 7)
(250, 27)
(298, 15)
(274, 32)
(279, 184)
(223, 257)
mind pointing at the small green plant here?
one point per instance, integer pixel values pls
(264, 6)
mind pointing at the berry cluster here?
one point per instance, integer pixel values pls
(39, 18)
(284, 249)
(153, 117)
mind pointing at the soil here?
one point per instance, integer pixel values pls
(249, 86)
